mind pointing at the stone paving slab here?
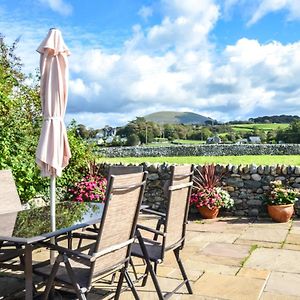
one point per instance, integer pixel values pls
(258, 243)
(293, 238)
(271, 296)
(213, 237)
(295, 230)
(217, 227)
(291, 247)
(274, 259)
(226, 250)
(254, 273)
(229, 287)
(201, 266)
(270, 234)
(268, 223)
(284, 284)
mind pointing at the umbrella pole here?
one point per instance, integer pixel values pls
(52, 214)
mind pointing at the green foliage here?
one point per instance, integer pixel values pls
(133, 140)
(20, 121)
(20, 125)
(291, 134)
(82, 155)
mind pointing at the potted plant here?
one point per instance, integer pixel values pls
(207, 196)
(280, 202)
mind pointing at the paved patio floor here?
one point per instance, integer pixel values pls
(226, 258)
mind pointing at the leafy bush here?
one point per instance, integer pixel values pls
(20, 125)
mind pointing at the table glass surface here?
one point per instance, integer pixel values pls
(36, 222)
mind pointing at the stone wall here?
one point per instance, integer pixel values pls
(201, 150)
(246, 184)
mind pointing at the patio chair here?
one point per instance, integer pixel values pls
(172, 236)
(111, 250)
(88, 232)
(10, 204)
(9, 198)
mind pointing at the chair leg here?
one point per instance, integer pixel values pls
(120, 282)
(182, 270)
(145, 276)
(131, 285)
(133, 268)
(72, 276)
(149, 266)
(51, 278)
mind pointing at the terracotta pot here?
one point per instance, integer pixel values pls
(208, 213)
(281, 213)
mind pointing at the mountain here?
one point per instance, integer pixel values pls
(174, 117)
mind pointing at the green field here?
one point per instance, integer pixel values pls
(235, 160)
(264, 127)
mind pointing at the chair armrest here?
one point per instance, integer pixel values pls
(68, 252)
(84, 236)
(142, 227)
(153, 212)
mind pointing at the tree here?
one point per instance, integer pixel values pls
(291, 134)
(20, 126)
(133, 140)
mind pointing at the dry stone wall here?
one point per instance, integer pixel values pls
(247, 185)
(201, 150)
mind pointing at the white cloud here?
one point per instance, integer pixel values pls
(172, 66)
(267, 6)
(145, 12)
(59, 6)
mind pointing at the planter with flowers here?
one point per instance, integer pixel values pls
(281, 201)
(91, 188)
(207, 196)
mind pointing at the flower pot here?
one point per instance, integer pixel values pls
(208, 213)
(281, 213)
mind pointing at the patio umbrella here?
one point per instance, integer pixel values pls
(53, 151)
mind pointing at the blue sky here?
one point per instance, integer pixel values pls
(226, 59)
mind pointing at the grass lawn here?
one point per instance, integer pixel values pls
(265, 127)
(293, 160)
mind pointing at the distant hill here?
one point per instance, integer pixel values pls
(173, 117)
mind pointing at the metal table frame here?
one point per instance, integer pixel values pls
(29, 243)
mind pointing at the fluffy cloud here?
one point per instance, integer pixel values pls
(59, 6)
(145, 12)
(173, 65)
(267, 6)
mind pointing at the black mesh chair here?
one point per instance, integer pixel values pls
(111, 248)
(169, 234)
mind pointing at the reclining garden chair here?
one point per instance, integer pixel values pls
(111, 249)
(89, 231)
(10, 204)
(172, 237)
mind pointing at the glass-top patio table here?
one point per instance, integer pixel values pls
(31, 226)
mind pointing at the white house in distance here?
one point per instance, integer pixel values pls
(106, 135)
(214, 140)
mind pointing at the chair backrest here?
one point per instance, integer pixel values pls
(9, 198)
(122, 170)
(118, 223)
(178, 205)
